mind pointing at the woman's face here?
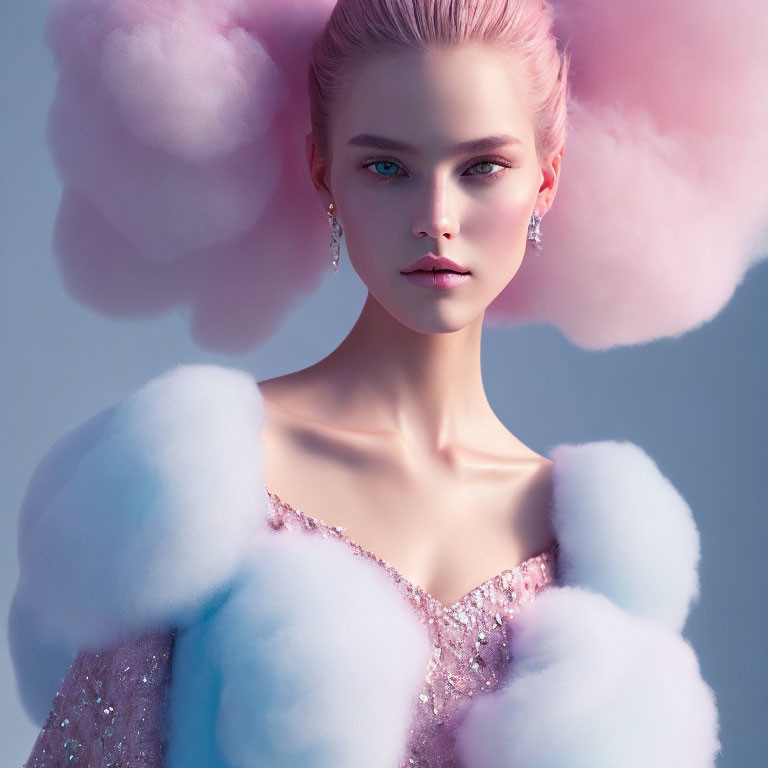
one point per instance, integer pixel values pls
(470, 204)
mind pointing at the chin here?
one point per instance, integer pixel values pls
(436, 319)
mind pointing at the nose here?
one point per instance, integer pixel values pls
(436, 217)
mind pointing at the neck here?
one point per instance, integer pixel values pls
(425, 387)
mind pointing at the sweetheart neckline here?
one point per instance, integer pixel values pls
(340, 530)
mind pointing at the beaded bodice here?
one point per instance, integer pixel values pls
(110, 709)
(469, 638)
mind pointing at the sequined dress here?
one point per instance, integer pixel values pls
(110, 709)
(469, 638)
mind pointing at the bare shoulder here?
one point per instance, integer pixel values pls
(307, 429)
(302, 403)
(525, 480)
(291, 401)
(279, 391)
(300, 396)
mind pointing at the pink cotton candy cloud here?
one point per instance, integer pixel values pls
(178, 131)
(663, 203)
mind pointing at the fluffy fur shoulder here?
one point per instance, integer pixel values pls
(152, 514)
(314, 659)
(624, 530)
(600, 674)
(135, 520)
(592, 685)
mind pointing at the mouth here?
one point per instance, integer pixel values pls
(447, 271)
(436, 279)
(431, 262)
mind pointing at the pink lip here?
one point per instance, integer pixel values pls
(433, 279)
(433, 261)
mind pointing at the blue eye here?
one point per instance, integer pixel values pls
(383, 163)
(387, 169)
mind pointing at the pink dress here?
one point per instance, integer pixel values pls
(109, 712)
(110, 709)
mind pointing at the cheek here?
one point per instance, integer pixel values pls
(498, 225)
(370, 234)
(365, 236)
(364, 219)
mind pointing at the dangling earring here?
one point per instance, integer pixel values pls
(335, 237)
(534, 231)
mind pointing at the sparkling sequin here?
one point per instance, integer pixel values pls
(110, 709)
(470, 637)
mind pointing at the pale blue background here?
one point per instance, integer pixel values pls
(697, 405)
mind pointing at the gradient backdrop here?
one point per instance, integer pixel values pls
(696, 405)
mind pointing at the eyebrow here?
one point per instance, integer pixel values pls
(486, 144)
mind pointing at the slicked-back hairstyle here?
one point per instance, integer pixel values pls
(359, 29)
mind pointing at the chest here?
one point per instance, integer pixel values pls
(447, 527)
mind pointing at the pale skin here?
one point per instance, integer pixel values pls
(391, 435)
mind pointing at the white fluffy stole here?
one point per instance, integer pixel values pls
(294, 652)
(605, 682)
(290, 650)
(312, 661)
(135, 520)
(592, 685)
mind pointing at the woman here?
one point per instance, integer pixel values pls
(357, 563)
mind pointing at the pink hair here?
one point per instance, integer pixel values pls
(359, 29)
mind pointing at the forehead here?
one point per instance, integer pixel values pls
(432, 100)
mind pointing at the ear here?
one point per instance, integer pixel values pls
(550, 171)
(318, 170)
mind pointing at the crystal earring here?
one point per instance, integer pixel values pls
(335, 237)
(534, 231)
